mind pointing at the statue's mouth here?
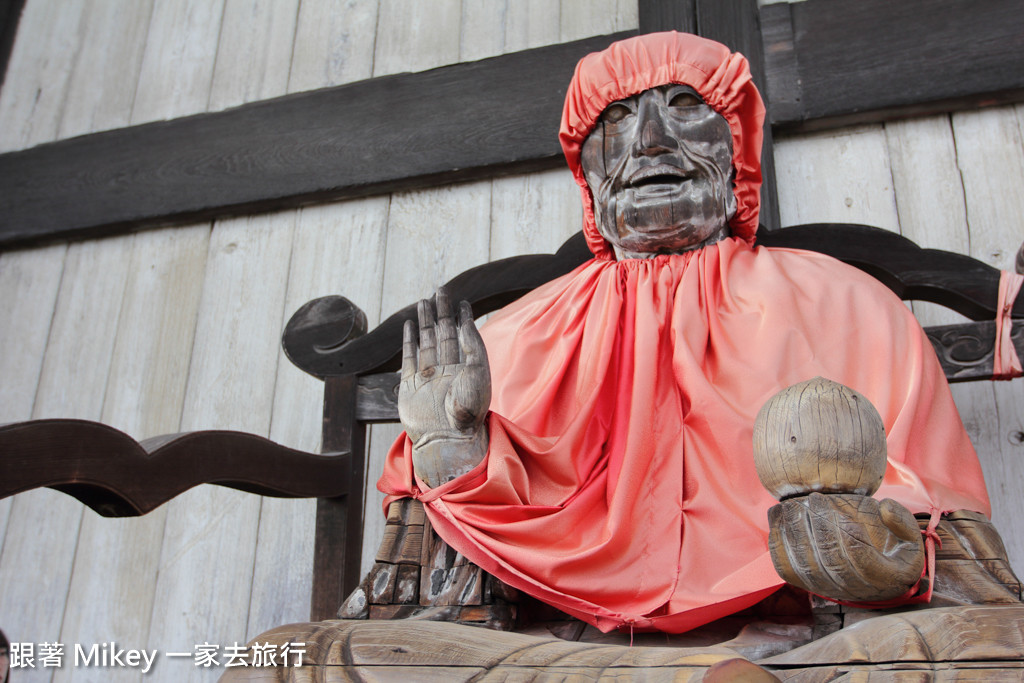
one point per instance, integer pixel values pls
(657, 180)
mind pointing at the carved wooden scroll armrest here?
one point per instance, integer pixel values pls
(418, 576)
(119, 477)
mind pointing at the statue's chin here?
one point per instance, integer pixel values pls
(643, 241)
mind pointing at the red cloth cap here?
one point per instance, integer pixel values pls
(631, 66)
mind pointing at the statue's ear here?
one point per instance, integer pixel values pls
(730, 199)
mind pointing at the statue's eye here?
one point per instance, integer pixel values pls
(615, 112)
(684, 99)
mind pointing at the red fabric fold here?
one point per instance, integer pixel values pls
(1006, 363)
(620, 484)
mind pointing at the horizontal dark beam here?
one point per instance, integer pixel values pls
(828, 63)
(470, 120)
(835, 62)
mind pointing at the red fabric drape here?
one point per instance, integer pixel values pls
(620, 485)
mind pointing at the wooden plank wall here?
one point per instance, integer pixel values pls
(177, 329)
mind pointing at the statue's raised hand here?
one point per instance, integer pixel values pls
(445, 391)
(846, 546)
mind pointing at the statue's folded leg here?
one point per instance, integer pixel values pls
(417, 575)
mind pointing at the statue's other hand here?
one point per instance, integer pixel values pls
(846, 546)
(445, 391)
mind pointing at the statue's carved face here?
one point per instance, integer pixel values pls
(659, 165)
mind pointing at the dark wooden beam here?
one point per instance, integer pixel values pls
(827, 63)
(477, 119)
(833, 62)
(667, 15)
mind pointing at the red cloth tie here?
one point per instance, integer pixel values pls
(1006, 364)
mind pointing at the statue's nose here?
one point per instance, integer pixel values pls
(653, 137)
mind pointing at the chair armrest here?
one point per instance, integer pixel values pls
(117, 476)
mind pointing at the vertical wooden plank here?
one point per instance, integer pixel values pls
(334, 42)
(534, 213)
(482, 29)
(34, 573)
(177, 67)
(254, 62)
(990, 156)
(531, 23)
(28, 292)
(254, 54)
(103, 83)
(840, 176)
(414, 36)
(582, 18)
(210, 538)
(29, 281)
(337, 249)
(156, 337)
(31, 104)
(116, 564)
(34, 90)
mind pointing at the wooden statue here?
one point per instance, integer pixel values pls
(663, 169)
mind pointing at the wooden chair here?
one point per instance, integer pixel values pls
(417, 575)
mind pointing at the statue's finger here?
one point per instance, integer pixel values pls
(447, 335)
(428, 337)
(472, 344)
(408, 349)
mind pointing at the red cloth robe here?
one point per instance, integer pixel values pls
(620, 484)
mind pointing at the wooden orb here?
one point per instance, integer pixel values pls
(819, 436)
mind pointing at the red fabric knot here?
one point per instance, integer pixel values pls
(1006, 364)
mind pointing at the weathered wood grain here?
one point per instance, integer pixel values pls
(922, 75)
(533, 213)
(189, 31)
(30, 281)
(531, 23)
(414, 36)
(822, 436)
(841, 177)
(581, 18)
(77, 358)
(210, 539)
(333, 44)
(36, 81)
(102, 84)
